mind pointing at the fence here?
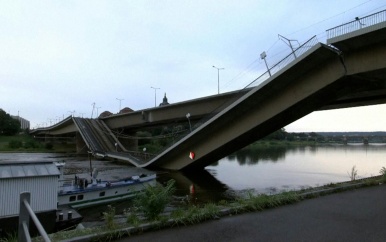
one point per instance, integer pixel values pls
(25, 214)
(357, 24)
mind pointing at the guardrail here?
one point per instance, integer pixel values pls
(357, 24)
(285, 61)
(25, 214)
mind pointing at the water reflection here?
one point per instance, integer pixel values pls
(206, 186)
(256, 155)
(264, 170)
(252, 156)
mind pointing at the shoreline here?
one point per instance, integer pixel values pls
(123, 229)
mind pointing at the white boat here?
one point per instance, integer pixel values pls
(82, 192)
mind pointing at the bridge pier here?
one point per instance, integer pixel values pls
(344, 140)
(365, 140)
(129, 144)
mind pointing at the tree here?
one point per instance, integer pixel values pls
(8, 125)
(277, 135)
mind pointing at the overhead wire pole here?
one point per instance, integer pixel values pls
(289, 43)
(93, 107)
(218, 78)
(120, 100)
(155, 95)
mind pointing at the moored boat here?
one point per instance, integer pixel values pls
(81, 192)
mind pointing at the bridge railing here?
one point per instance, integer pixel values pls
(25, 214)
(357, 24)
(285, 61)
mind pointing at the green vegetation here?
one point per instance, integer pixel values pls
(8, 125)
(109, 217)
(26, 143)
(383, 174)
(10, 238)
(153, 200)
(195, 214)
(353, 174)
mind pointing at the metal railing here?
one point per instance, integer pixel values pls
(357, 24)
(25, 214)
(285, 61)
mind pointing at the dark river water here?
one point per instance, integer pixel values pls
(268, 170)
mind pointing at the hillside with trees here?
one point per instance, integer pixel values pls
(8, 125)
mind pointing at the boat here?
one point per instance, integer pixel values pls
(82, 192)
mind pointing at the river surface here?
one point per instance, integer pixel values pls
(268, 170)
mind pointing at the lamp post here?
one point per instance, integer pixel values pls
(218, 78)
(262, 56)
(188, 117)
(155, 95)
(120, 100)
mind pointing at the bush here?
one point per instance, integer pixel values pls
(15, 144)
(31, 144)
(153, 200)
(49, 146)
(383, 174)
(109, 217)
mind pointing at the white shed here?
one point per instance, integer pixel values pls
(39, 178)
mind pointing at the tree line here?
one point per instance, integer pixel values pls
(8, 125)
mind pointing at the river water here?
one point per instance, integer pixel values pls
(263, 170)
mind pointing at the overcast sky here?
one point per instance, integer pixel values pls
(57, 57)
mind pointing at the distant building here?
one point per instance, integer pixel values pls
(24, 123)
(165, 101)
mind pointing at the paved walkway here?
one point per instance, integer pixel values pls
(357, 215)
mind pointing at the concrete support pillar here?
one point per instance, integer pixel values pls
(365, 140)
(130, 144)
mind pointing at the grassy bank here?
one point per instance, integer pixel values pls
(26, 143)
(135, 221)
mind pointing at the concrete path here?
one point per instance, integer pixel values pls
(357, 215)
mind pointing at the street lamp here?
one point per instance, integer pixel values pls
(218, 78)
(120, 100)
(155, 95)
(188, 117)
(262, 56)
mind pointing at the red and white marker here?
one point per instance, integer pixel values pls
(191, 155)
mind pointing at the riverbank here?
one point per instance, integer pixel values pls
(26, 144)
(123, 226)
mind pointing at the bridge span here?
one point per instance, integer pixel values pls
(348, 71)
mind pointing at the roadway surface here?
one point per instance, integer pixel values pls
(357, 215)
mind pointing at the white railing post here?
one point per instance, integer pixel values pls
(25, 213)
